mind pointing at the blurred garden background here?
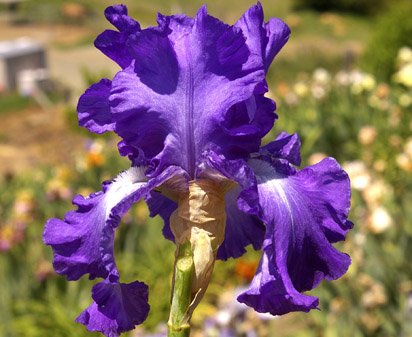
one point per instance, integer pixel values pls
(343, 82)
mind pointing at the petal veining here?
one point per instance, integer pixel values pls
(304, 212)
(184, 83)
(83, 242)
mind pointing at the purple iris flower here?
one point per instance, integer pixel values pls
(189, 105)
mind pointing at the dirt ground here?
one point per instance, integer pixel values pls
(34, 137)
(38, 136)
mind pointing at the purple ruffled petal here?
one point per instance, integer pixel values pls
(83, 242)
(285, 146)
(113, 43)
(194, 84)
(270, 293)
(241, 230)
(277, 33)
(117, 308)
(239, 172)
(93, 108)
(263, 39)
(304, 211)
(160, 205)
(117, 16)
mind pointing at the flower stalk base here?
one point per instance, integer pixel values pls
(179, 320)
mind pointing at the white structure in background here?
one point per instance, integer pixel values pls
(22, 66)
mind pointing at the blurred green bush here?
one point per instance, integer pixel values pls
(354, 6)
(393, 31)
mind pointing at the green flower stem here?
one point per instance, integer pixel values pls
(179, 319)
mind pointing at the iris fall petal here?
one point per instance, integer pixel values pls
(83, 242)
(117, 308)
(304, 213)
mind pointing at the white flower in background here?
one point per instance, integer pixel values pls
(380, 220)
(291, 98)
(376, 192)
(358, 81)
(404, 162)
(321, 76)
(359, 239)
(407, 148)
(358, 173)
(343, 78)
(404, 159)
(318, 91)
(374, 296)
(362, 82)
(367, 135)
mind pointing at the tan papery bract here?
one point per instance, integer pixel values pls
(200, 219)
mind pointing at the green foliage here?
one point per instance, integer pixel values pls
(393, 31)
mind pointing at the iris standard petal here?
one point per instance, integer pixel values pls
(117, 307)
(83, 242)
(302, 210)
(93, 108)
(285, 146)
(263, 39)
(113, 43)
(277, 33)
(187, 77)
(118, 17)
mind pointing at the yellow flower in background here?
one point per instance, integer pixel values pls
(24, 203)
(404, 159)
(404, 75)
(6, 238)
(59, 186)
(362, 82)
(404, 56)
(405, 100)
(301, 89)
